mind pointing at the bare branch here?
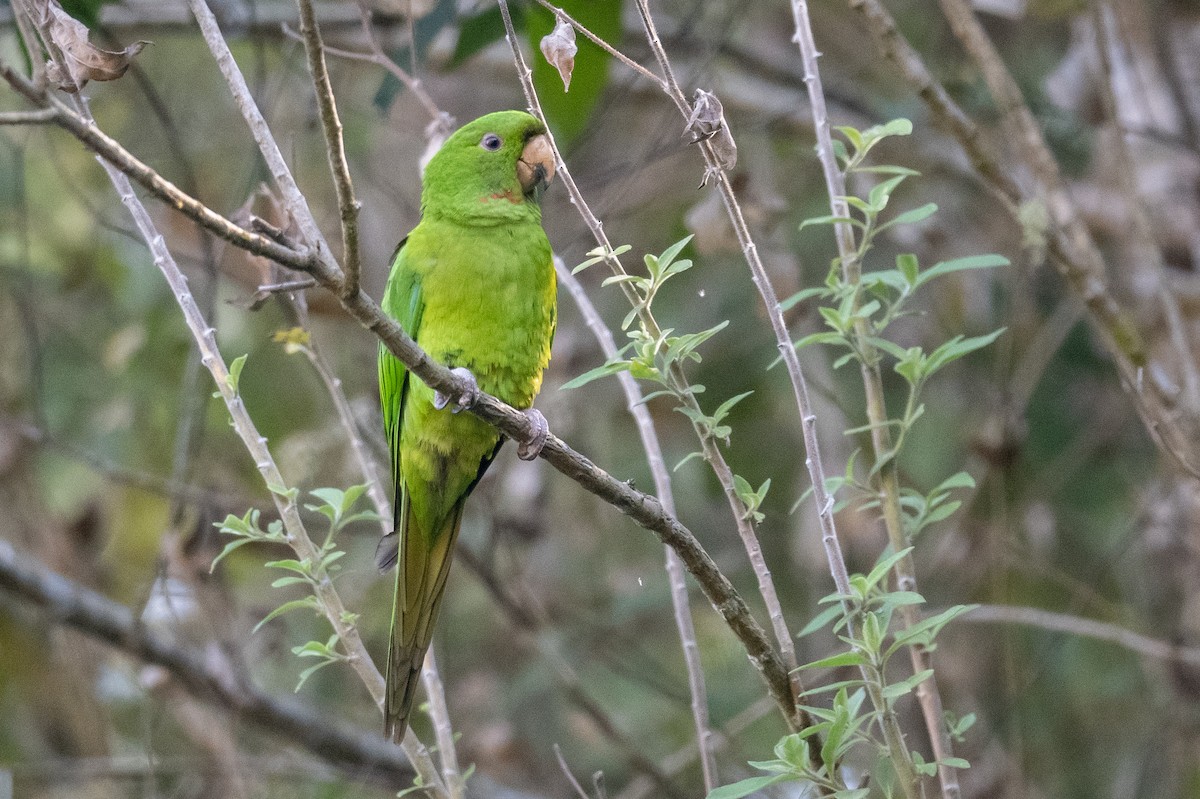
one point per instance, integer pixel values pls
(41, 117)
(355, 753)
(293, 199)
(335, 145)
(1085, 628)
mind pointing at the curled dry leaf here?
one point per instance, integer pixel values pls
(707, 123)
(559, 48)
(83, 60)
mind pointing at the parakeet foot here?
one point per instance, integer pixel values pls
(464, 400)
(528, 450)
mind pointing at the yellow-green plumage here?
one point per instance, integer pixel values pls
(474, 285)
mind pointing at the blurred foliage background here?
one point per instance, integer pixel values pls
(115, 461)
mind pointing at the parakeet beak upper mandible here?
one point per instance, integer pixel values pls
(535, 168)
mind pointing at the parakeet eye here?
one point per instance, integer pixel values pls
(491, 142)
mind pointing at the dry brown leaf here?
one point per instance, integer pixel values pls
(707, 123)
(83, 60)
(559, 48)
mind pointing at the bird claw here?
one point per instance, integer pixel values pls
(465, 400)
(529, 450)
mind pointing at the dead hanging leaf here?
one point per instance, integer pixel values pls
(83, 60)
(559, 48)
(707, 123)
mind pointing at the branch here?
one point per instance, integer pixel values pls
(293, 200)
(355, 753)
(335, 145)
(41, 117)
(1085, 628)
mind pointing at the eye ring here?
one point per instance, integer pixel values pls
(491, 142)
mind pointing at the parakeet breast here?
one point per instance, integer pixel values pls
(489, 304)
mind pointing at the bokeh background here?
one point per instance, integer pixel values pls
(115, 462)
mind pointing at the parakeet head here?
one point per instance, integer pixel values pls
(490, 171)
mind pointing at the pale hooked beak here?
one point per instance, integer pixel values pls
(535, 168)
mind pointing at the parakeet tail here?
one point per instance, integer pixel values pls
(424, 564)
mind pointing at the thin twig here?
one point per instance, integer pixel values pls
(353, 752)
(662, 487)
(366, 463)
(335, 145)
(928, 695)
(799, 387)
(41, 117)
(293, 199)
(1085, 628)
(378, 56)
(566, 770)
(442, 731)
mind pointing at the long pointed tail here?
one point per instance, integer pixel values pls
(422, 568)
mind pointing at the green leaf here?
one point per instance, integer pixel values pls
(309, 602)
(301, 567)
(725, 407)
(881, 193)
(230, 547)
(801, 296)
(310, 671)
(598, 254)
(905, 687)
(961, 264)
(910, 217)
(956, 348)
(671, 253)
(745, 787)
(687, 458)
(923, 632)
(851, 658)
(610, 368)
(830, 220)
(959, 480)
(612, 279)
(235, 373)
(884, 566)
(908, 266)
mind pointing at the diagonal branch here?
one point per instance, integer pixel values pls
(64, 602)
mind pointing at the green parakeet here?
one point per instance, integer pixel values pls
(474, 285)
